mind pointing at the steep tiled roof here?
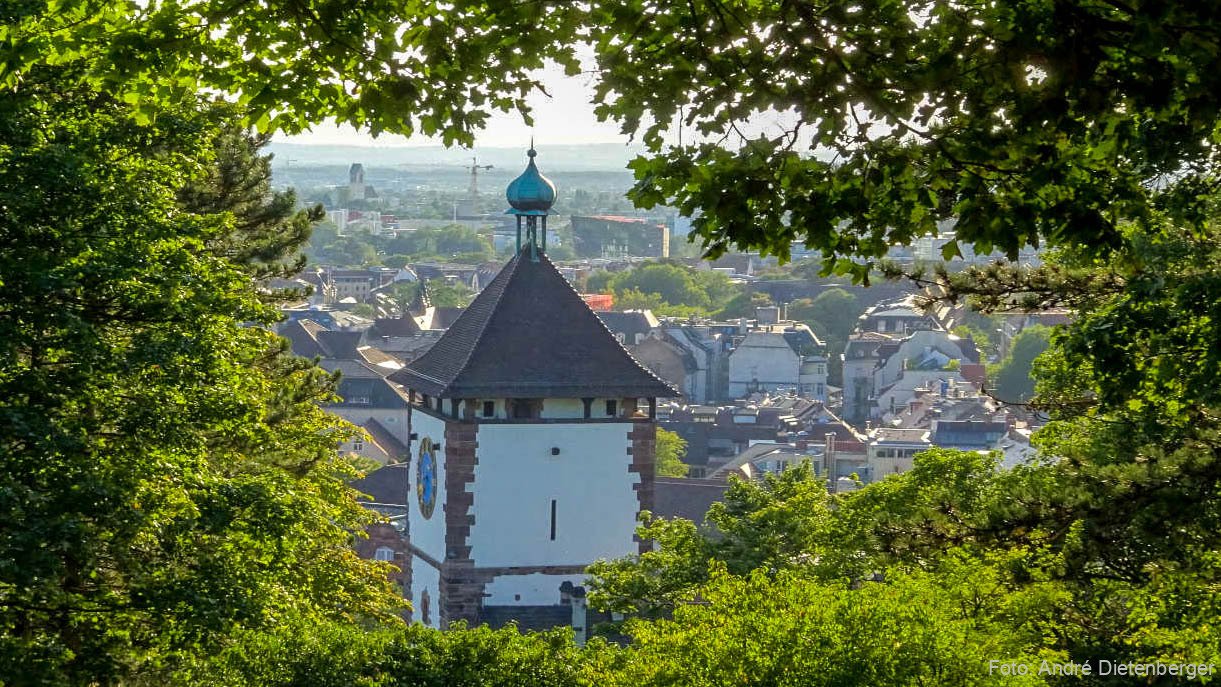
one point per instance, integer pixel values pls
(395, 326)
(339, 344)
(529, 334)
(629, 323)
(302, 335)
(444, 318)
(383, 438)
(687, 498)
(386, 485)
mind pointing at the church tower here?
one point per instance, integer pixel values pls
(533, 442)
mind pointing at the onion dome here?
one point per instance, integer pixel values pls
(531, 193)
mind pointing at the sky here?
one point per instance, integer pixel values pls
(565, 118)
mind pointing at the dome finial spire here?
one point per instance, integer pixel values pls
(531, 195)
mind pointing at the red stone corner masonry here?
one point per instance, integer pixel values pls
(462, 585)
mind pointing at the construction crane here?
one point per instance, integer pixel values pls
(473, 191)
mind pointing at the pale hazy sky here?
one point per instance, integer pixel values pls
(565, 118)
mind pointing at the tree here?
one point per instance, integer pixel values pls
(598, 281)
(947, 111)
(790, 630)
(169, 476)
(900, 117)
(390, 67)
(446, 295)
(671, 449)
(835, 311)
(632, 299)
(1013, 376)
(269, 229)
(744, 305)
(676, 285)
(768, 524)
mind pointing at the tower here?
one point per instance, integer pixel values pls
(356, 181)
(534, 437)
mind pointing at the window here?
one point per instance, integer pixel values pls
(525, 408)
(489, 408)
(552, 519)
(358, 446)
(612, 408)
(383, 553)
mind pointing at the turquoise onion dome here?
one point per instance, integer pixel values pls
(531, 193)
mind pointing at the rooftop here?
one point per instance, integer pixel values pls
(530, 335)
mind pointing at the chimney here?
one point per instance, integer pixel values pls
(829, 459)
(580, 617)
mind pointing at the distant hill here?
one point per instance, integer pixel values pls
(600, 157)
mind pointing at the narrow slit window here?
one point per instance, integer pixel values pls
(552, 519)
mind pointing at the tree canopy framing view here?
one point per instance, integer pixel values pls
(171, 507)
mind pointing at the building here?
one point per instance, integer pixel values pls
(614, 236)
(860, 358)
(533, 439)
(785, 355)
(356, 181)
(891, 449)
(385, 491)
(897, 317)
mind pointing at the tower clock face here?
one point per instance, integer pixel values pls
(426, 478)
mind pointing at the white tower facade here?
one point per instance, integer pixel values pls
(533, 446)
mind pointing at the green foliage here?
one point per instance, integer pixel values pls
(346, 251)
(447, 295)
(674, 284)
(671, 449)
(384, 66)
(1013, 376)
(768, 524)
(789, 630)
(952, 111)
(743, 305)
(599, 281)
(335, 655)
(447, 241)
(983, 339)
(666, 288)
(269, 230)
(169, 476)
(834, 312)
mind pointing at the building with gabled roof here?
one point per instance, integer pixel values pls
(772, 357)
